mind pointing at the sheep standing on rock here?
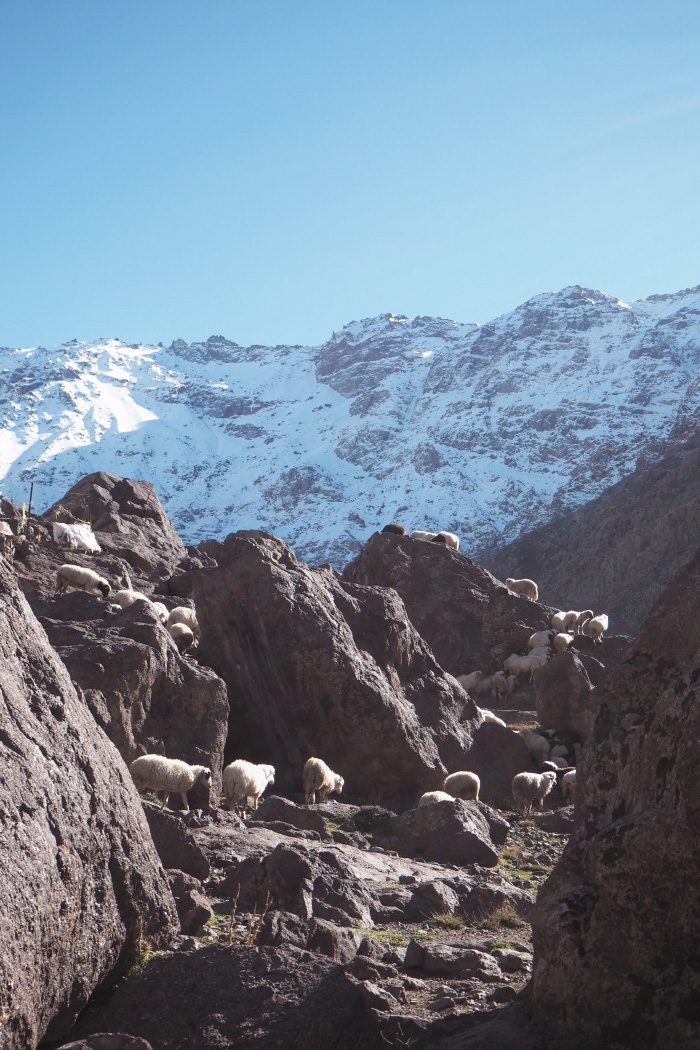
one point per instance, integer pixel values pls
(244, 780)
(81, 579)
(182, 636)
(161, 611)
(182, 614)
(528, 588)
(597, 626)
(434, 796)
(530, 786)
(320, 779)
(502, 685)
(158, 773)
(583, 617)
(568, 785)
(518, 665)
(489, 716)
(537, 745)
(540, 638)
(557, 621)
(462, 785)
(420, 534)
(448, 538)
(562, 641)
(126, 598)
(470, 681)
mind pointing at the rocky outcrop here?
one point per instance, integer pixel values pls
(564, 695)
(319, 666)
(141, 691)
(615, 928)
(469, 619)
(453, 832)
(81, 880)
(128, 520)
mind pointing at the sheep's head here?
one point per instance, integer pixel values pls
(338, 784)
(269, 772)
(105, 588)
(204, 774)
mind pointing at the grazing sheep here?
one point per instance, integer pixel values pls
(244, 780)
(158, 773)
(568, 785)
(570, 620)
(518, 665)
(434, 796)
(597, 626)
(557, 621)
(470, 681)
(182, 636)
(320, 778)
(161, 611)
(562, 641)
(82, 579)
(583, 617)
(530, 786)
(536, 744)
(187, 616)
(448, 538)
(462, 785)
(528, 588)
(126, 598)
(398, 530)
(489, 716)
(419, 534)
(540, 638)
(502, 684)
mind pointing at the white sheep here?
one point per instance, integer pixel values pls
(502, 684)
(483, 688)
(557, 761)
(597, 626)
(528, 588)
(557, 621)
(530, 786)
(489, 716)
(570, 620)
(419, 534)
(161, 611)
(462, 785)
(182, 636)
(448, 538)
(244, 780)
(562, 641)
(518, 665)
(559, 751)
(320, 778)
(434, 796)
(82, 579)
(470, 681)
(568, 785)
(540, 638)
(182, 614)
(537, 745)
(126, 598)
(583, 617)
(76, 536)
(540, 650)
(158, 773)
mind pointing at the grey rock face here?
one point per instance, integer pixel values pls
(316, 666)
(615, 927)
(449, 832)
(81, 879)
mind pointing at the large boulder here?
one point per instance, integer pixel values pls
(455, 832)
(318, 666)
(469, 619)
(128, 520)
(564, 695)
(254, 997)
(81, 881)
(496, 756)
(615, 929)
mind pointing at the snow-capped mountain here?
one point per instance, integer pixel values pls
(485, 430)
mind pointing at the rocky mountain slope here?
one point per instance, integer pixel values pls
(619, 552)
(482, 429)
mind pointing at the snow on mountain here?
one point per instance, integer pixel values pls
(485, 430)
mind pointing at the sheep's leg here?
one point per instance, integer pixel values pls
(166, 795)
(183, 796)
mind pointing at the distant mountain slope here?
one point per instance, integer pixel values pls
(619, 552)
(484, 430)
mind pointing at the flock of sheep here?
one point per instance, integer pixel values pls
(244, 782)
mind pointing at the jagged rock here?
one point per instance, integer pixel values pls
(316, 666)
(175, 843)
(336, 942)
(282, 927)
(496, 755)
(560, 821)
(486, 898)
(192, 905)
(275, 808)
(81, 879)
(448, 832)
(468, 618)
(255, 997)
(512, 961)
(455, 958)
(564, 695)
(127, 517)
(615, 927)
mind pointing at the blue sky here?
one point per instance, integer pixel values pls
(273, 170)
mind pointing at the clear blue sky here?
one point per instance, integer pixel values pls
(273, 170)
